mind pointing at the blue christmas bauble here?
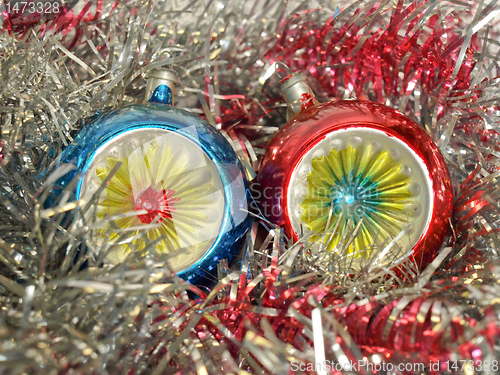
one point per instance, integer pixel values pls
(161, 175)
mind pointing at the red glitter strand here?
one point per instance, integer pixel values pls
(411, 57)
(400, 327)
(382, 65)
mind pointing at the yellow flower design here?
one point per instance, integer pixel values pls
(357, 186)
(172, 200)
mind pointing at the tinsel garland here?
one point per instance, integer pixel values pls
(63, 311)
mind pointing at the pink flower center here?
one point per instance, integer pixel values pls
(157, 203)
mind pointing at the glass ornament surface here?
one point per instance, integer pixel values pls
(358, 167)
(177, 181)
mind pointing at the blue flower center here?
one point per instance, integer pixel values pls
(352, 197)
(349, 199)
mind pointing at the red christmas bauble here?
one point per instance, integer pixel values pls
(365, 179)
